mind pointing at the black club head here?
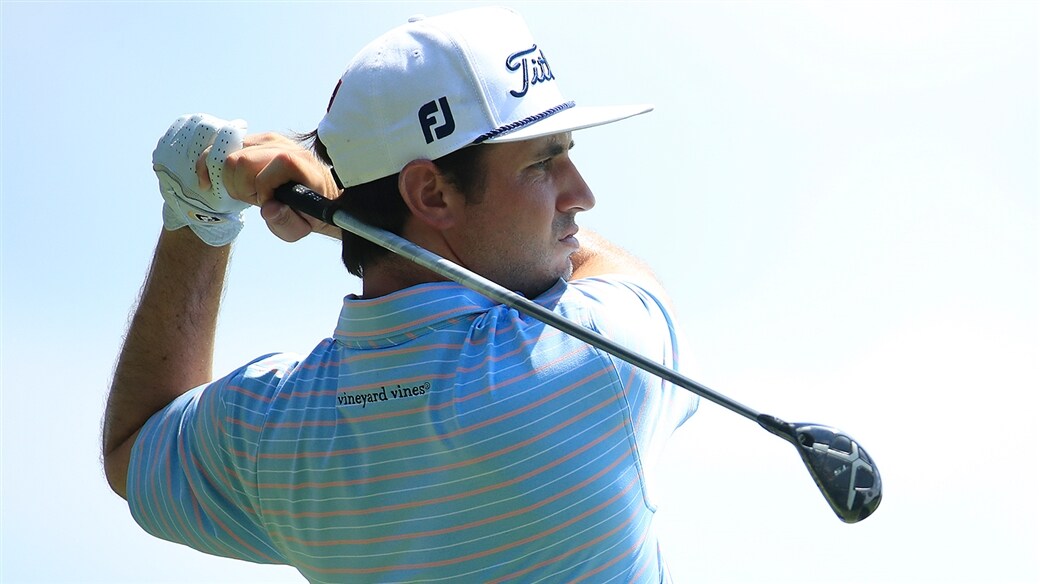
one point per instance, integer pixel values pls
(841, 468)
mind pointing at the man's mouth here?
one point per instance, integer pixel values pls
(569, 233)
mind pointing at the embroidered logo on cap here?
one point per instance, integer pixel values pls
(428, 120)
(535, 68)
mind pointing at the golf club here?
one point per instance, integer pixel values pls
(841, 468)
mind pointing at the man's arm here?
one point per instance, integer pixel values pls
(597, 257)
(169, 346)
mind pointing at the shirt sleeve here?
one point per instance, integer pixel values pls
(192, 469)
(637, 318)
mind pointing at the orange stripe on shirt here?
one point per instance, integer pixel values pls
(475, 555)
(568, 553)
(471, 493)
(438, 437)
(451, 466)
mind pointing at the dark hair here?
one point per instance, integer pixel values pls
(379, 202)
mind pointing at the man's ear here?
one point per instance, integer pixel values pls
(432, 199)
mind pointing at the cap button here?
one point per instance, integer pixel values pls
(417, 18)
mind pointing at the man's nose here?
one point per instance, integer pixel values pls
(576, 195)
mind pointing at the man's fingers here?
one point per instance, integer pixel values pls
(226, 142)
(285, 223)
(260, 151)
(297, 165)
(266, 162)
(268, 139)
(202, 171)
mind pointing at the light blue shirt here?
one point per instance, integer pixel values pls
(438, 437)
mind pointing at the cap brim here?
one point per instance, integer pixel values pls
(575, 118)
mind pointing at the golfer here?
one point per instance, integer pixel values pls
(436, 436)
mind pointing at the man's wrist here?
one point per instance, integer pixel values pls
(183, 244)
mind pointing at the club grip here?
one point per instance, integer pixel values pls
(304, 200)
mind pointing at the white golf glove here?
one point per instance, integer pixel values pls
(212, 214)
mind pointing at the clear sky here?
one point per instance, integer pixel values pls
(841, 197)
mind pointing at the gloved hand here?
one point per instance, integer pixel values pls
(212, 214)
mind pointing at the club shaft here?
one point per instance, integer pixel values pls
(307, 201)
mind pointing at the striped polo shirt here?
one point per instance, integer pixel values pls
(437, 437)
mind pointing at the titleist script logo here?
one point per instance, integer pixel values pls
(428, 119)
(534, 67)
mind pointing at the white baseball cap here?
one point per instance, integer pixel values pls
(439, 84)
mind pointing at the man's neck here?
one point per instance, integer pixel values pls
(391, 274)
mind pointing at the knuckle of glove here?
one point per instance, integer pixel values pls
(211, 214)
(228, 140)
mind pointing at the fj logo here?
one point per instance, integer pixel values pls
(430, 123)
(203, 218)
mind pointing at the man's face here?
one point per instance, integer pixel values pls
(521, 232)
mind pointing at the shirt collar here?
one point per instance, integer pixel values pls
(410, 313)
(406, 314)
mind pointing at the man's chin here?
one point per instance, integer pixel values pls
(568, 272)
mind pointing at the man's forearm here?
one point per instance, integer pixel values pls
(598, 256)
(169, 346)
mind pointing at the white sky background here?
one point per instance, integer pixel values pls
(842, 198)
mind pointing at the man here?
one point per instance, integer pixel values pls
(438, 436)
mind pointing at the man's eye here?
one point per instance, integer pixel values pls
(542, 164)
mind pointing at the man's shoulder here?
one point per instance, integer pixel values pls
(618, 306)
(614, 291)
